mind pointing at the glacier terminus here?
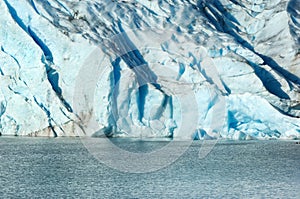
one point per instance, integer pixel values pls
(190, 69)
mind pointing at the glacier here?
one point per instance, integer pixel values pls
(194, 69)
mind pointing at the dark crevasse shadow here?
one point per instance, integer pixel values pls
(128, 52)
(223, 23)
(293, 9)
(47, 59)
(269, 81)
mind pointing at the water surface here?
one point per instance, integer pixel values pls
(63, 168)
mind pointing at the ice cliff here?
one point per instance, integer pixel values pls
(208, 67)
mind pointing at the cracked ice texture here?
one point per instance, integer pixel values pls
(254, 46)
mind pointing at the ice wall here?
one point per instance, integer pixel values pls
(184, 69)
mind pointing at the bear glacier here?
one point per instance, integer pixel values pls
(195, 69)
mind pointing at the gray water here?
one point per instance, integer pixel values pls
(63, 168)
